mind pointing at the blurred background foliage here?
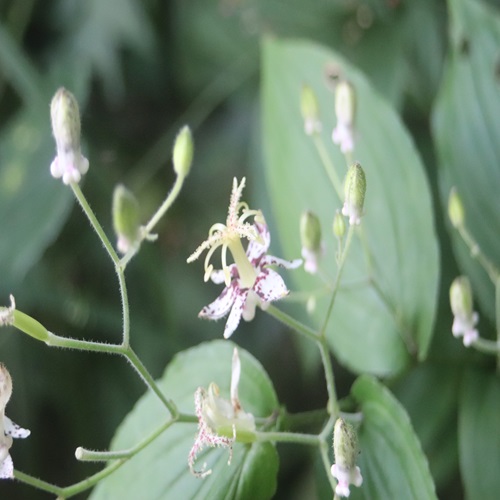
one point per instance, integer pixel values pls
(140, 70)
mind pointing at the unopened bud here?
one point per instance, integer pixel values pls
(125, 218)
(456, 210)
(310, 237)
(65, 116)
(345, 111)
(183, 152)
(23, 322)
(464, 317)
(354, 191)
(345, 449)
(338, 225)
(310, 110)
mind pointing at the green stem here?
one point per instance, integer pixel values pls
(179, 181)
(125, 306)
(292, 323)
(149, 381)
(328, 165)
(85, 455)
(336, 284)
(288, 437)
(95, 223)
(333, 404)
(476, 253)
(487, 346)
(38, 483)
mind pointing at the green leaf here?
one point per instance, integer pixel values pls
(479, 434)
(33, 205)
(391, 461)
(161, 469)
(466, 121)
(385, 312)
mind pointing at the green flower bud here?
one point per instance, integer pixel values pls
(354, 191)
(31, 326)
(338, 225)
(345, 111)
(456, 210)
(464, 317)
(310, 231)
(65, 116)
(125, 218)
(310, 110)
(310, 237)
(183, 152)
(345, 449)
(23, 322)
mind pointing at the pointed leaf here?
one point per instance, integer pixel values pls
(466, 122)
(391, 461)
(163, 467)
(385, 312)
(479, 434)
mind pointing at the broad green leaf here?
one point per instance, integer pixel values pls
(437, 385)
(391, 460)
(479, 434)
(384, 313)
(466, 124)
(161, 469)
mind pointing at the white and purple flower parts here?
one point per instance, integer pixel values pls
(249, 281)
(8, 429)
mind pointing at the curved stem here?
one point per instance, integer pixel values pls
(125, 306)
(288, 437)
(333, 404)
(328, 165)
(292, 323)
(95, 223)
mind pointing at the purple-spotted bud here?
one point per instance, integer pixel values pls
(464, 317)
(69, 162)
(338, 225)
(345, 111)
(310, 110)
(183, 152)
(456, 210)
(345, 449)
(125, 219)
(354, 193)
(310, 237)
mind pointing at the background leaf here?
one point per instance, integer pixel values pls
(392, 462)
(161, 469)
(466, 121)
(375, 328)
(479, 434)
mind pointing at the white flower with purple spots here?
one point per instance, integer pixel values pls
(219, 421)
(8, 429)
(249, 281)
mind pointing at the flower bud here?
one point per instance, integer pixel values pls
(23, 322)
(338, 225)
(354, 191)
(456, 210)
(183, 152)
(465, 318)
(310, 110)
(345, 449)
(69, 162)
(125, 218)
(345, 111)
(310, 237)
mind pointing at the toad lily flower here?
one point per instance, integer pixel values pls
(249, 281)
(8, 429)
(464, 317)
(220, 422)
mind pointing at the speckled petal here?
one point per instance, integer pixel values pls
(221, 305)
(235, 315)
(7, 468)
(255, 249)
(14, 430)
(270, 286)
(270, 260)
